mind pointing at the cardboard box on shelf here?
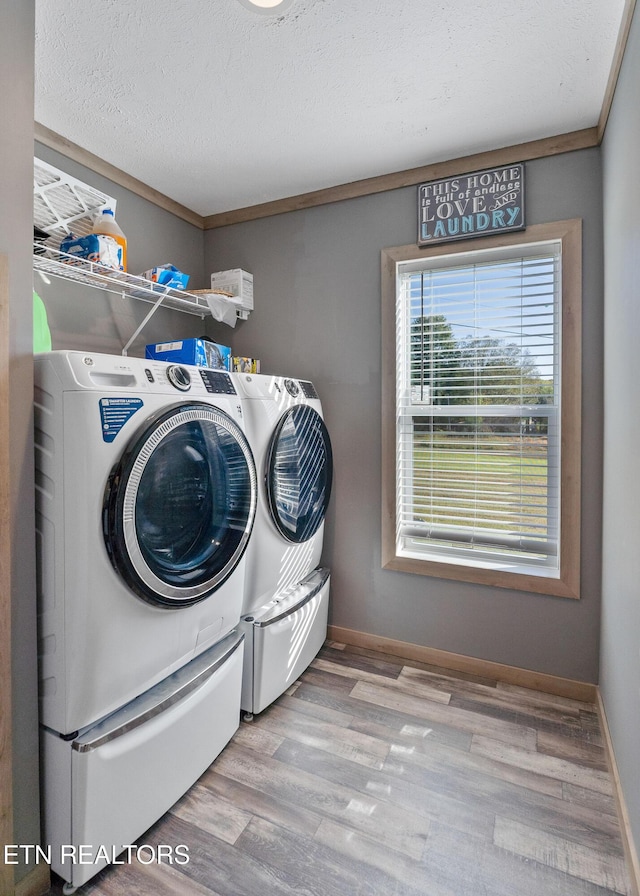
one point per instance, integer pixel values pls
(237, 283)
(245, 365)
(201, 352)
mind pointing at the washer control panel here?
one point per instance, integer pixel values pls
(217, 382)
(179, 377)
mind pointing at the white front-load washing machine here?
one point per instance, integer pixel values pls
(286, 600)
(146, 495)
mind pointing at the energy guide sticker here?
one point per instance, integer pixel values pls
(114, 413)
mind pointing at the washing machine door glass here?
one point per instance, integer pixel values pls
(299, 473)
(180, 505)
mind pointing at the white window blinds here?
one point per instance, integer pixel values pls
(478, 416)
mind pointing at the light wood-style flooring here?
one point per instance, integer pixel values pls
(374, 776)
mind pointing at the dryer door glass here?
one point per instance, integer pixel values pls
(299, 473)
(180, 505)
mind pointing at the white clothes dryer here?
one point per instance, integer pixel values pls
(286, 596)
(145, 500)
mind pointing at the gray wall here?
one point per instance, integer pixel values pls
(16, 203)
(317, 315)
(620, 664)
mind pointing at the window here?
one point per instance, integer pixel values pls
(481, 409)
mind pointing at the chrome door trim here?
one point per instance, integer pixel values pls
(119, 507)
(190, 413)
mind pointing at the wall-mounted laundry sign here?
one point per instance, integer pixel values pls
(470, 205)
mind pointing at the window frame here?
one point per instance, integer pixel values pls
(567, 584)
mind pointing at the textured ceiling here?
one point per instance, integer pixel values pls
(220, 108)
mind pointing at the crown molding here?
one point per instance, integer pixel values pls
(614, 74)
(520, 152)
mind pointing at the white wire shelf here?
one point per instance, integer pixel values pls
(58, 264)
(62, 203)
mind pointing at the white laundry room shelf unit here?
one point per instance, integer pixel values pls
(62, 203)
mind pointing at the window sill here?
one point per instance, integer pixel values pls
(541, 582)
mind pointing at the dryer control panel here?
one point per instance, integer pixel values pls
(308, 390)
